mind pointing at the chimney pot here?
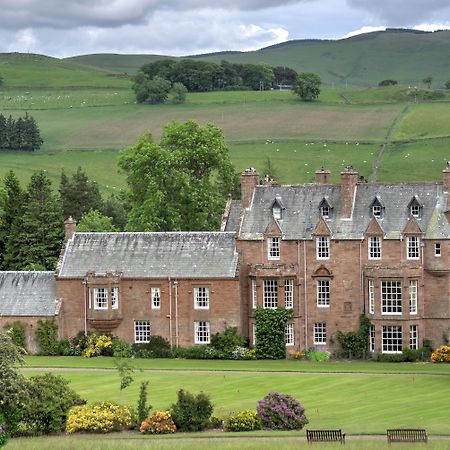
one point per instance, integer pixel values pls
(249, 180)
(323, 176)
(70, 226)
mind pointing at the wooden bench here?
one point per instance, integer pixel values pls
(325, 436)
(406, 435)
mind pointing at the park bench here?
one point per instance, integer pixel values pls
(406, 435)
(325, 436)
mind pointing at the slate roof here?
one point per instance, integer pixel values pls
(153, 255)
(301, 213)
(234, 215)
(27, 294)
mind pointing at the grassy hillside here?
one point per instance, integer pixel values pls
(404, 55)
(26, 70)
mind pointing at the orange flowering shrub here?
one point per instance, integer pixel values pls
(158, 423)
(441, 354)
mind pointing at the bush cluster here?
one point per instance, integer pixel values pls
(281, 412)
(158, 347)
(98, 345)
(3, 436)
(17, 333)
(243, 421)
(228, 344)
(408, 355)
(441, 354)
(310, 355)
(158, 423)
(103, 417)
(191, 412)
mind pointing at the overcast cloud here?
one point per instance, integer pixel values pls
(181, 27)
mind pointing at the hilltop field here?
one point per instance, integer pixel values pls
(87, 116)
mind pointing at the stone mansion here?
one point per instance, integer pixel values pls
(328, 252)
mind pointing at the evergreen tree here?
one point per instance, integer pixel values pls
(11, 140)
(79, 194)
(3, 139)
(36, 237)
(114, 207)
(12, 211)
(33, 135)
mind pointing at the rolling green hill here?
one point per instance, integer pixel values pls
(404, 55)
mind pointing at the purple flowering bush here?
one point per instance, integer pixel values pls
(281, 412)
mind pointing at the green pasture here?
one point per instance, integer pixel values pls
(359, 397)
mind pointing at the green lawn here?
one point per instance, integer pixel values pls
(360, 398)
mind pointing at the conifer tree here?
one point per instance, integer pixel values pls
(12, 210)
(36, 237)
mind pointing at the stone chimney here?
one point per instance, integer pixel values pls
(446, 173)
(323, 176)
(70, 226)
(249, 180)
(349, 178)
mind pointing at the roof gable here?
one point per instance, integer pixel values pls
(374, 227)
(322, 229)
(412, 227)
(273, 228)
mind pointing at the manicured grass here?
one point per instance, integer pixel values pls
(229, 442)
(359, 397)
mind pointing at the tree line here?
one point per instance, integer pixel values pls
(19, 134)
(203, 76)
(178, 184)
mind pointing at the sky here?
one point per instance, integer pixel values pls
(184, 27)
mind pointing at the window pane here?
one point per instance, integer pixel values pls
(289, 334)
(201, 295)
(115, 298)
(374, 247)
(323, 247)
(270, 293)
(320, 333)
(288, 294)
(413, 337)
(202, 332)
(274, 248)
(156, 297)
(323, 293)
(100, 298)
(413, 247)
(392, 339)
(141, 331)
(254, 295)
(413, 296)
(391, 297)
(371, 296)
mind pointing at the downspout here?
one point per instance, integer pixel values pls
(305, 295)
(175, 283)
(170, 312)
(85, 306)
(298, 281)
(361, 279)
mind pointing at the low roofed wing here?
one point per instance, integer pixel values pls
(27, 294)
(153, 255)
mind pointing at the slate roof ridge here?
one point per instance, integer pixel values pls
(154, 233)
(27, 271)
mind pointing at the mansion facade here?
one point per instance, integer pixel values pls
(330, 252)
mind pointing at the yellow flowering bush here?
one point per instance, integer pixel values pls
(441, 354)
(98, 345)
(102, 417)
(243, 421)
(158, 423)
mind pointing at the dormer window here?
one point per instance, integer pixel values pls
(377, 208)
(325, 209)
(277, 209)
(415, 208)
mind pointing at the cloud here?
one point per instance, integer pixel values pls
(399, 13)
(66, 14)
(362, 30)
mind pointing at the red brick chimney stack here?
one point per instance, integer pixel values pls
(323, 176)
(249, 180)
(349, 178)
(446, 173)
(70, 226)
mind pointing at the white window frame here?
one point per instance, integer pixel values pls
(201, 297)
(371, 287)
(391, 297)
(320, 333)
(413, 337)
(392, 339)
(202, 332)
(325, 211)
(276, 212)
(156, 297)
(374, 247)
(254, 294)
(100, 297)
(413, 247)
(413, 296)
(270, 293)
(372, 338)
(289, 293)
(289, 334)
(377, 210)
(115, 297)
(254, 334)
(273, 248)
(414, 210)
(323, 293)
(437, 249)
(323, 247)
(142, 330)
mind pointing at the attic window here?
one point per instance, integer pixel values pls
(276, 211)
(415, 208)
(377, 208)
(325, 209)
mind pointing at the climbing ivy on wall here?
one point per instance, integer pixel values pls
(270, 332)
(354, 343)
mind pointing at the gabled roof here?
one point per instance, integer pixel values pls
(322, 229)
(152, 255)
(374, 227)
(301, 212)
(412, 227)
(28, 294)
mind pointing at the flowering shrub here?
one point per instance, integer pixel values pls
(281, 412)
(250, 353)
(441, 354)
(158, 423)
(98, 345)
(243, 421)
(101, 417)
(311, 355)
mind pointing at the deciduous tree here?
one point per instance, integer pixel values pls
(307, 86)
